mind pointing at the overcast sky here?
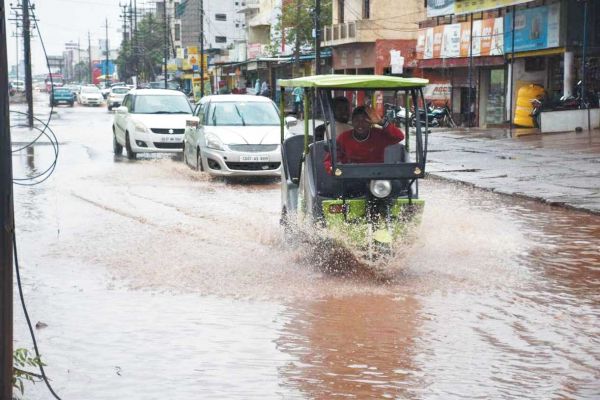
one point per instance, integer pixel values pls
(62, 21)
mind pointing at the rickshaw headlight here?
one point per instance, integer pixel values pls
(380, 189)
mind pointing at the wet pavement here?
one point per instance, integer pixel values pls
(561, 169)
(156, 281)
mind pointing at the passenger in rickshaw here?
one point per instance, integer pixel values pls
(366, 141)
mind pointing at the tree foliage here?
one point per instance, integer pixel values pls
(297, 21)
(144, 50)
(22, 358)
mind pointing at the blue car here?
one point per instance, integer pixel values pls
(61, 95)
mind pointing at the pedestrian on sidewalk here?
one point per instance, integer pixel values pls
(298, 93)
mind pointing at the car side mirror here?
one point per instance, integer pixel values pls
(291, 121)
(122, 110)
(192, 122)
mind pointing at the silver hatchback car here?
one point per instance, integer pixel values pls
(234, 135)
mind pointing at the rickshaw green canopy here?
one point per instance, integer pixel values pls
(354, 82)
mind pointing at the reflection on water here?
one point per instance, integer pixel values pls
(361, 347)
(184, 283)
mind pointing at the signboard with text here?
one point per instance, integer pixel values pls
(535, 28)
(473, 6)
(436, 8)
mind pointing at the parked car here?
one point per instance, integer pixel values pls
(18, 85)
(90, 95)
(61, 95)
(73, 88)
(150, 120)
(161, 85)
(115, 96)
(235, 135)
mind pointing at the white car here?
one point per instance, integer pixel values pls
(235, 135)
(90, 96)
(150, 121)
(116, 96)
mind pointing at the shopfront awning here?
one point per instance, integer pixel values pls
(537, 53)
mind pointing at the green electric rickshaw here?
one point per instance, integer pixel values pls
(368, 206)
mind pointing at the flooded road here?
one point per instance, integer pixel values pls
(157, 282)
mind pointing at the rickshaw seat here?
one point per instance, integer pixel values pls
(293, 148)
(327, 185)
(395, 154)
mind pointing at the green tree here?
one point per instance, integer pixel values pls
(297, 21)
(144, 50)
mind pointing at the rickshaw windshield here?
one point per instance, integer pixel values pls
(367, 124)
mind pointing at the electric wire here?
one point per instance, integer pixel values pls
(48, 173)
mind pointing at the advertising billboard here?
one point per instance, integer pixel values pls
(535, 28)
(453, 40)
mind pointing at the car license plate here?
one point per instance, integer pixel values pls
(256, 158)
(170, 139)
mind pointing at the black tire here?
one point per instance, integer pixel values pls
(117, 147)
(71, 104)
(109, 108)
(130, 153)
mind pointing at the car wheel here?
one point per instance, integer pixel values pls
(130, 154)
(71, 104)
(109, 108)
(199, 166)
(117, 148)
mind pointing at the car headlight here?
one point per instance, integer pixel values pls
(83, 98)
(140, 128)
(213, 142)
(380, 189)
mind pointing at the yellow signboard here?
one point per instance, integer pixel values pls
(473, 6)
(192, 50)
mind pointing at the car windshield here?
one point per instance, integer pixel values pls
(90, 90)
(162, 104)
(120, 90)
(62, 90)
(243, 114)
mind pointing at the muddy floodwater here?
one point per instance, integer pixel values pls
(158, 282)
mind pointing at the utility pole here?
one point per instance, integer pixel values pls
(90, 58)
(166, 39)
(78, 59)
(107, 55)
(27, 58)
(201, 48)
(16, 34)
(317, 37)
(6, 224)
(469, 94)
(124, 18)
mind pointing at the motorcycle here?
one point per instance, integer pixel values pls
(425, 116)
(398, 114)
(536, 113)
(444, 116)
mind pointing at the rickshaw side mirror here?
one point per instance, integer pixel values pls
(291, 121)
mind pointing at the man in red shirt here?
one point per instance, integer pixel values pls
(364, 143)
